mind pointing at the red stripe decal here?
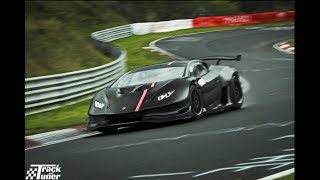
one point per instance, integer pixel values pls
(141, 100)
(142, 97)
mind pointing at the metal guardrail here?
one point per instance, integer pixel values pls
(44, 93)
(112, 34)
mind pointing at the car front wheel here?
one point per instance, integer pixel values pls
(196, 102)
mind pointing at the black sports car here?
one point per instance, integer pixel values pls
(166, 92)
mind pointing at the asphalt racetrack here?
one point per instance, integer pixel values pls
(249, 143)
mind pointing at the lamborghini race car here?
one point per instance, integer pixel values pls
(166, 92)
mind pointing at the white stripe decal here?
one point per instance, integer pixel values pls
(141, 99)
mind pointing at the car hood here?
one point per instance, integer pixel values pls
(116, 100)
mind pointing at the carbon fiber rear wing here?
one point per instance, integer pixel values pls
(220, 58)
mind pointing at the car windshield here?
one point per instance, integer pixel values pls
(149, 76)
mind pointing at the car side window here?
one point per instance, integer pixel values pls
(197, 70)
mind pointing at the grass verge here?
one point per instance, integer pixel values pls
(75, 114)
(291, 42)
(60, 118)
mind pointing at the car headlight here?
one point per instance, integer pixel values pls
(98, 104)
(165, 95)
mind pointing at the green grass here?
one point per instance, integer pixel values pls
(291, 42)
(288, 177)
(57, 35)
(66, 116)
(75, 114)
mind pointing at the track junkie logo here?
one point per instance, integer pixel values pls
(44, 171)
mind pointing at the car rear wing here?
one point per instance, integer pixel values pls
(220, 58)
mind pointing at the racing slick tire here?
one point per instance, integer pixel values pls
(196, 102)
(235, 93)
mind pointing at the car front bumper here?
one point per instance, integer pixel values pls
(176, 111)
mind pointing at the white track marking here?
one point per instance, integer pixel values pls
(279, 28)
(280, 164)
(152, 45)
(274, 161)
(51, 133)
(284, 59)
(283, 137)
(254, 28)
(163, 174)
(261, 162)
(64, 140)
(288, 149)
(287, 123)
(278, 175)
(269, 159)
(206, 133)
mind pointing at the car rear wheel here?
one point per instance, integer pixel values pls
(196, 102)
(235, 93)
(107, 130)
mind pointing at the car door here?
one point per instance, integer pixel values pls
(211, 89)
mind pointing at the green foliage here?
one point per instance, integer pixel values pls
(141, 11)
(57, 35)
(217, 8)
(249, 6)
